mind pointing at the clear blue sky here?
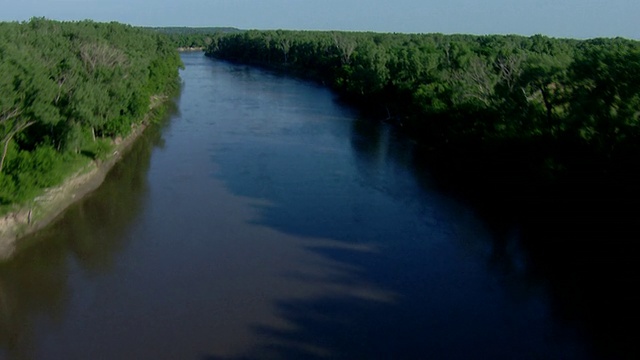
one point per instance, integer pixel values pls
(558, 18)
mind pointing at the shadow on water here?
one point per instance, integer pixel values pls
(452, 293)
(583, 246)
(87, 236)
(577, 238)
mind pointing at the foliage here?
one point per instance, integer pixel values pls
(563, 101)
(67, 89)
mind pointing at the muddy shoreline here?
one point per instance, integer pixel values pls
(47, 207)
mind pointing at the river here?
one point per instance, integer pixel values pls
(265, 219)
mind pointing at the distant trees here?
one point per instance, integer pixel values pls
(194, 37)
(69, 88)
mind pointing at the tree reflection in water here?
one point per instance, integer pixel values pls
(86, 237)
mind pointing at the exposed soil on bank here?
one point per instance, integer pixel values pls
(45, 208)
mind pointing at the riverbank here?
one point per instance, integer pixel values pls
(46, 208)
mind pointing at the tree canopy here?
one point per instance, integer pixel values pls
(67, 89)
(569, 104)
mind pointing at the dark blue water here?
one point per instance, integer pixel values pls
(264, 219)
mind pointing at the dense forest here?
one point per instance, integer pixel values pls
(67, 91)
(512, 108)
(508, 108)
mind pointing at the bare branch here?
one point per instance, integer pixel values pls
(8, 116)
(510, 68)
(345, 46)
(94, 55)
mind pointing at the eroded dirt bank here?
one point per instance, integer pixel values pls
(48, 206)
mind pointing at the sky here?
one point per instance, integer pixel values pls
(557, 18)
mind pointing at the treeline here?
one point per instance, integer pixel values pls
(67, 90)
(193, 37)
(553, 108)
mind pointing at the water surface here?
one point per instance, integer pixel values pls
(266, 220)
